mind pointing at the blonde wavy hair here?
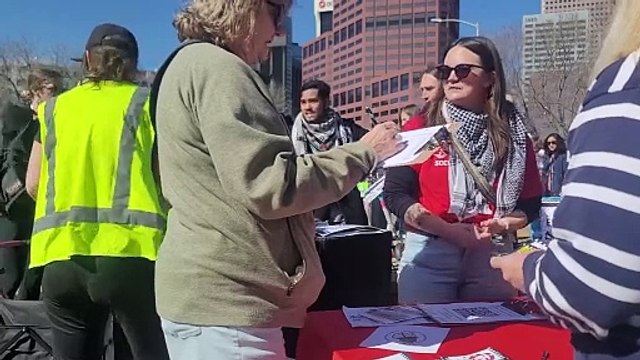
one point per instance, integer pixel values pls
(622, 38)
(222, 22)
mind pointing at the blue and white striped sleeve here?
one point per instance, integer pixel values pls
(589, 278)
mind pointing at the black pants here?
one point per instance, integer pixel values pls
(79, 295)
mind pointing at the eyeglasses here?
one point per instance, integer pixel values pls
(461, 70)
(551, 142)
(277, 13)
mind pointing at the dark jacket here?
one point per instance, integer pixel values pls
(553, 171)
(350, 208)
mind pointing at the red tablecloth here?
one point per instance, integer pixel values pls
(328, 336)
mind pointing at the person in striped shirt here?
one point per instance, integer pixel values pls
(588, 280)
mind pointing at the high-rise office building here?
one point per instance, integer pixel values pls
(376, 52)
(565, 31)
(600, 12)
(323, 9)
(553, 40)
(278, 71)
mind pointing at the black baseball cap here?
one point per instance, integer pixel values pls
(112, 35)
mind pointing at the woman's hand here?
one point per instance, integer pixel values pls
(511, 266)
(494, 227)
(384, 140)
(466, 235)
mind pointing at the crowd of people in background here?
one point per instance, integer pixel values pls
(188, 210)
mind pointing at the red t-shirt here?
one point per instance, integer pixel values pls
(433, 179)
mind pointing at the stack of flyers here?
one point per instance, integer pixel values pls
(486, 354)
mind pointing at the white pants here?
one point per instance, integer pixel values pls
(190, 342)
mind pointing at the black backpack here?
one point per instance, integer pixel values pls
(17, 132)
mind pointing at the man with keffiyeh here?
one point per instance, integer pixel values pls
(319, 128)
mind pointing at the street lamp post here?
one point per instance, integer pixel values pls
(441, 20)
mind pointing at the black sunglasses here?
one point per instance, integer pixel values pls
(461, 70)
(277, 13)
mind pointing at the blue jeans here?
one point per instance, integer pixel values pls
(190, 342)
(433, 270)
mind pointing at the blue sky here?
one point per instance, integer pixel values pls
(67, 23)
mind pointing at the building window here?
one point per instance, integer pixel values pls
(375, 89)
(370, 24)
(351, 30)
(335, 97)
(358, 94)
(394, 21)
(406, 20)
(350, 97)
(336, 37)
(404, 99)
(417, 76)
(384, 87)
(358, 27)
(367, 91)
(394, 85)
(343, 34)
(404, 81)
(343, 98)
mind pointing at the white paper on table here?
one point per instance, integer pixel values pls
(386, 316)
(415, 339)
(475, 313)
(487, 353)
(415, 141)
(395, 357)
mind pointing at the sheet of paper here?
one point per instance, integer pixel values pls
(475, 313)
(386, 316)
(415, 141)
(395, 357)
(488, 354)
(414, 339)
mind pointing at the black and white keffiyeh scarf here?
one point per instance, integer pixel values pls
(313, 137)
(465, 199)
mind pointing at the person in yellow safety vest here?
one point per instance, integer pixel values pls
(98, 220)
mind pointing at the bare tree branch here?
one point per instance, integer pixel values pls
(510, 44)
(558, 83)
(18, 58)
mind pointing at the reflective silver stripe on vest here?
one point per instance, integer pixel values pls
(49, 151)
(127, 148)
(119, 213)
(104, 216)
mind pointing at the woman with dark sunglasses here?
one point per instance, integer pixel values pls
(450, 222)
(554, 164)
